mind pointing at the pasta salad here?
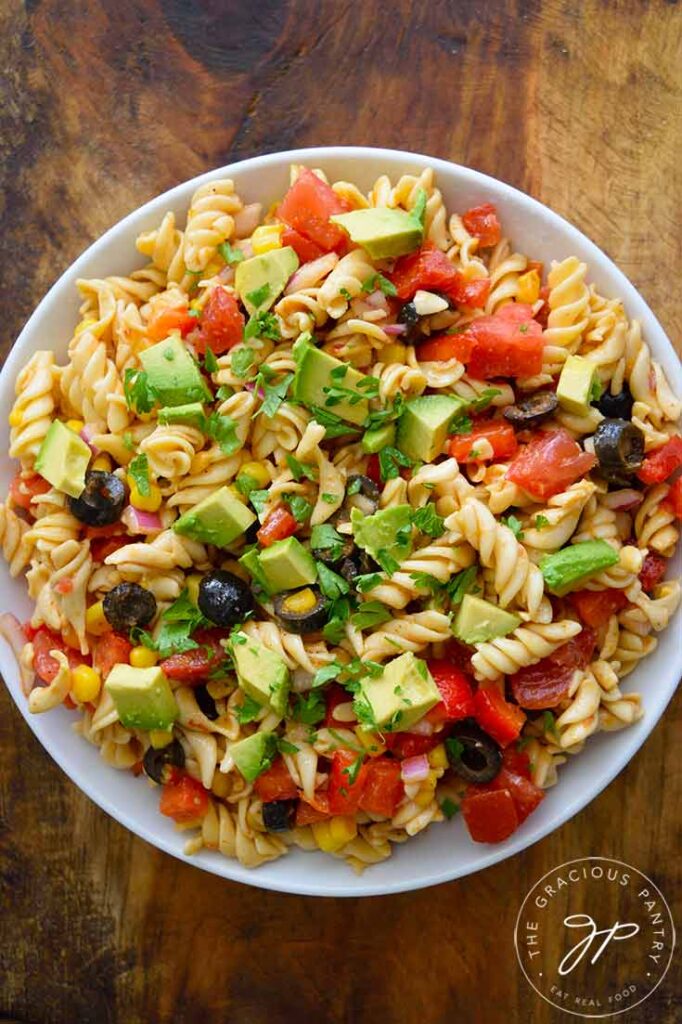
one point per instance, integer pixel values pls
(342, 517)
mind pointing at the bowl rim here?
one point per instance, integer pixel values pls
(363, 886)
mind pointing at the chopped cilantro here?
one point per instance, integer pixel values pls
(224, 391)
(353, 770)
(334, 426)
(389, 461)
(374, 281)
(241, 360)
(285, 747)
(428, 521)
(387, 562)
(299, 470)
(128, 442)
(139, 393)
(245, 484)
(230, 255)
(138, 469)
(461, 423)
(541, 522)
(326, 674)
(262, 325)
(514, 525)
(339, 611)
(367, 581)
(259, 499)
(301, 509)
(248, 711)
(325, 538)
(549, 724)
(346, 294)
(367, 387)
(449, 808)
(484, 399)
(178, 622)
(354, 486)
(596, 390)
(309, 708)
(363, 712)
(461, 584)
(274, 395)
(223, 429)
(330, 499)
(370, 614)
(331, 584)
(455, 749)
(210, 361)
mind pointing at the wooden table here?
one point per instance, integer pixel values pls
(107, 104)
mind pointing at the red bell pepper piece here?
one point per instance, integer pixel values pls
(490, 816)
(496, 716)
(276, 783)
(499, 435)
(346, 782)
(184, 799)
(278, 525)
(383, 789)
(456, 692)
(662, 463)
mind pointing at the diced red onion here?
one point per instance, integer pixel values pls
(139, 521)
(250, 386)
(311, 272)
(246, 221)
(624, 500)
(395, 329)
(87, 434)
(415, 769)
(377, 300)
(422, 728)
(11, 630)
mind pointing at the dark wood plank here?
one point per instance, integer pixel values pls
(105, 105)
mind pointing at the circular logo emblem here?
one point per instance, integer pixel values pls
(594, 937)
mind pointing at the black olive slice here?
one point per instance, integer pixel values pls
(616, 406)
(278, 815)
(224, 598)
(102, 501)
(532, 410)
(619, 446)
(475, 757)
(301, 611)
(356, 564)
(157, 763)
(128, 605)
(362, 493)
(206, 703)
(408, 315)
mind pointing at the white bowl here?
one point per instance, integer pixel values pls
(445, 851)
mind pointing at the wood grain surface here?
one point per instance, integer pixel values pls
(103, 105)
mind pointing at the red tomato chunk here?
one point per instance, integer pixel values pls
(595, 607)
(174, 318)
(496, 716)
(507, 344)
(545, 684)
(346, 782)
(110, 649)
(549, 464)
(194, 665)
(46, 667)
(276, 783)
(222, 324)
(430, 269)
(383, 789)
(307, 207)
(25, 487)
(662, 463)
(279, 524)
(490, 816)
(482, 222)
(184, 800)
(500, 436)
(652, 571)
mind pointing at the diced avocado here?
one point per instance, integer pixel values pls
(218, 519)
(262, 674)
(192, 414)
(387, 532)
(142, 697)
(251, 563)
(478, 621)
(254, 754)
(378, 437)
(423, 425)
(63, 458)
(574, 390)
(382, 232)
(314, 369)
(286, 565)
(564, 569)
(262, 278)
(401, 695)
(173, 374)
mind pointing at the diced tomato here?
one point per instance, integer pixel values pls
(278, 525)
(222, 324)
(496, 716)
(442, 347)
(45, 666)
(410, 744)
(662, 463)
(310, 811)
(24, 487)
(545, 684)
(307, 207)
(97, 532)
(490, 816)
(674, 499)
(499, 435)
(184, 799)
(276, 783)
(549, 464)
(516, 761)
(460, 655)
(507, 344)
(194, 665)
(525, 794)
(346, 782)
(102, 548)
(430, 269)
(110, 649)
(173, 318)
(652, 571)
(482, 222)
(595, 607)
(469, 292)
(373, 470)
(305, 249)
(456, 692)
(333, 696)
(383, 789)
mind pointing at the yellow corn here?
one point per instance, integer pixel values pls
(438, 757)
(160, 738)
(257, 472)
(192, 583)
(75, 425)
(142, 657)
(267, 237)
(15, 418)
(145, 502)
(371, 741)
(95, 621)
(103, 463)
(528, 287)
(423, 797)
(331, 835)
(236, 493)
(302, 601)
(84, 324)
(85, 683)
(396, 352)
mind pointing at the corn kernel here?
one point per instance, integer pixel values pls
(160, 738)
(267, 237)
(103, 463)
(15, 418)
(331, 835)
(75, 425)
(192, 583)
(423, 797)
(396, 352)
(145, 502)
(236, 493)
(257, 472)
(438, 757)
(95, 621)
(84, 324)
(371, 742)
(528, 287)
(142, 657)
(300, 601)
(85, 683)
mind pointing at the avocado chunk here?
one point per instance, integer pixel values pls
(192, 414)
(142, 697)
(63, 458)
(574, 390)
(478, 621)
(218, 519)
(173, 374)
(377, 438)
(251, 563)
(262, 674)
(565, 569)
(286, 565)
(382, 232)
(387, 532)
(254, 754)
(423, 425)
(317, 370)
(261, 279)
(399, 697)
